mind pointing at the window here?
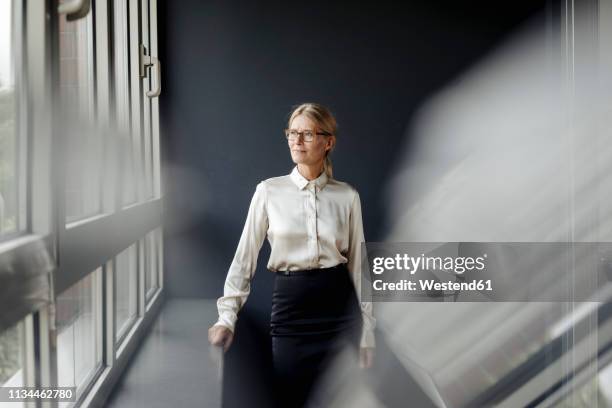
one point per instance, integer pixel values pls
(125, 282)
(9, 141)
(79, 327)
(74, 100)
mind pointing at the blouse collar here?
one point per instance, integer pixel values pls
(302, 181)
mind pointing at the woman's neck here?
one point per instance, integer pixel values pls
(310, 172)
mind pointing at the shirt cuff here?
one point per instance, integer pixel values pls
(226, 321)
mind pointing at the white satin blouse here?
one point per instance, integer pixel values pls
(309, 224)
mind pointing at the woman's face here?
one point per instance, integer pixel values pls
(308, 153)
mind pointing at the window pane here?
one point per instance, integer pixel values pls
(125, 280)
(79, 324)
(82, 143)
(151, 262)
(122, 102)
(12, 356)
(8, 123)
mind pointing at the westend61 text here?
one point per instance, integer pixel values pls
(430, 284)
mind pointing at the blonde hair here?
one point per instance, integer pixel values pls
(324, 120)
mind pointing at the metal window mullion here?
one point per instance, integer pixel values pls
(46, 364)
(58, 156)
(136, 92)
(92, 191)
(19, 38)
(121, 104)
(39, 73)
(146, 83)
(98, 311)
(106, 138)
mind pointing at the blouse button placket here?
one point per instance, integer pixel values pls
(312, 222)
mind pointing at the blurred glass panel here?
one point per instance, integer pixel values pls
(83, 147)
(79, 327)
(8, 123)
(597, 392)
(125, 281)
(122, 102)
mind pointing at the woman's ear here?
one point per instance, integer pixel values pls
(330, 143)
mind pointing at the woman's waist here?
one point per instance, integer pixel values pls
(308, 258)
(297, 271)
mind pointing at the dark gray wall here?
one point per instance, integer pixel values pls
(232, 71)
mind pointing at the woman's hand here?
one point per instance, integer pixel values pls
(220, 336)
(366, 357)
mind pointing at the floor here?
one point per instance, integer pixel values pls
(174, 366)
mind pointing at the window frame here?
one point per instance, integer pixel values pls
(49, 255)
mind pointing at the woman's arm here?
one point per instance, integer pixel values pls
(238, 282)
(354, 266)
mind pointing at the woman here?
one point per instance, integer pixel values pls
(314, 226)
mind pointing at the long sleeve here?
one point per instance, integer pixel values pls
(238, 281)
(356, 237)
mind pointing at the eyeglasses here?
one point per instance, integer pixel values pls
(307, 135)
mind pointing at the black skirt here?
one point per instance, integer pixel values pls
(315, 315)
